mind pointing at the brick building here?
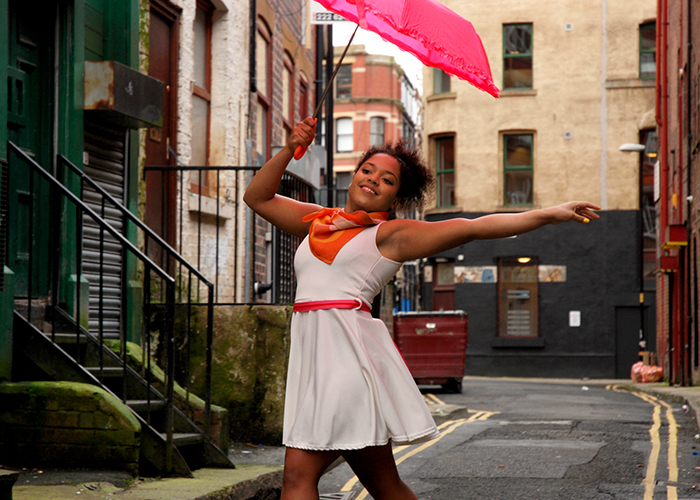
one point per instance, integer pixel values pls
(374, 103)
(677, 196)
(281, 95)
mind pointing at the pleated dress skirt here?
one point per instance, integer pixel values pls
(347, 385)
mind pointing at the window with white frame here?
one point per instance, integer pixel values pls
(376, 131)
(343, 135)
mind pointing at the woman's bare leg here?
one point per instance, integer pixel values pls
(376, 469)
(302, 471)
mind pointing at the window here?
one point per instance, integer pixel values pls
(343, 132)
(376, 131)
(342, 183)
(517, 56)
(445, 170)
(343, 82)
(263, 78)
(408, 132)
(303, 98)
(648, 160)
(288, 95)
(441, 82)
(518, 292)
(647, 51)
(518, 168)
(201, 97)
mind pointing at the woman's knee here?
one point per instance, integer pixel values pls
(304, 468)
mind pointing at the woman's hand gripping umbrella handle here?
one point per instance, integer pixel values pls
(300, 150)
(303, 135)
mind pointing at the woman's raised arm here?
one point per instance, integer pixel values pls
(403, 240)
(261, 195)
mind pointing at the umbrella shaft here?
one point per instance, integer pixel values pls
(330, 82)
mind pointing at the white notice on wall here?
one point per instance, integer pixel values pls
(574, 318)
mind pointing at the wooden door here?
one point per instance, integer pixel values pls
(161, 187)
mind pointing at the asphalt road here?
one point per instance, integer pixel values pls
(523, 439)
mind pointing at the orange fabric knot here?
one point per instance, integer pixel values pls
(331, 228)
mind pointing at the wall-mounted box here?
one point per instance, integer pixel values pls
(122, 95)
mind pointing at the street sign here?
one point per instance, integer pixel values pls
(320, 15)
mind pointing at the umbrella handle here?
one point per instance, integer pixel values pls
(299, 152)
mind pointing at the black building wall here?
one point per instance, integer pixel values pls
(602, 282)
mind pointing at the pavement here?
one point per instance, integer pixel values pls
(258, 472)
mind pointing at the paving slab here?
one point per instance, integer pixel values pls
(241, 483)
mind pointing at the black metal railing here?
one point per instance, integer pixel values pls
(4, 206)
(201, 210)
(64, 258)
(191, 284)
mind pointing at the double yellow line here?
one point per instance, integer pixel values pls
(445, 429)
(649, 481)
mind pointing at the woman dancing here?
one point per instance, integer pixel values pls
(349, 393)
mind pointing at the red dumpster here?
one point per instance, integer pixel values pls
(434, 344)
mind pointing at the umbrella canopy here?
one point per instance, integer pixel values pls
(427, 29)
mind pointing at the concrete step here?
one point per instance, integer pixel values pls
(142, 404)
(107, 371)
(185, 439)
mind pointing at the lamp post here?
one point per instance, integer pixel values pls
(639, 148)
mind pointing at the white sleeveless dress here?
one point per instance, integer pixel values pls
(347, 385)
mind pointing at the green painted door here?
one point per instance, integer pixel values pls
(30, 106)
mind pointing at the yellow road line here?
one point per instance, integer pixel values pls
(650, 479)
(448, 427)
(434, 398)
(672, 445)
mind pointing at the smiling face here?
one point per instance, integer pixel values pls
(375, 185)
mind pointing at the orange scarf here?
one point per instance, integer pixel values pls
(331, 228)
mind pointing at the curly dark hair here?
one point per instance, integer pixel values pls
(416, 179)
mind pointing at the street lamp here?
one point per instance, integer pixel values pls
(631, 147)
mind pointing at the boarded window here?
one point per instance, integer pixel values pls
(518, 297)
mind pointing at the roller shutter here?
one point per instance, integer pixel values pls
(105, 145)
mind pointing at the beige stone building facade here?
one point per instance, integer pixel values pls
(585, 100)
(577, 82)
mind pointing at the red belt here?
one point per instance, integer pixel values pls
(315, 305)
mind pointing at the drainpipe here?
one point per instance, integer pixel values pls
(689, 192)
(250, 217)
(330, 146)
(319, 77)
(662, 122)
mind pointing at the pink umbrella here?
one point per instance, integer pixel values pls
(437, 36)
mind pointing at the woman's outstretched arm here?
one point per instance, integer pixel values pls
(261, 195)
(403, 240)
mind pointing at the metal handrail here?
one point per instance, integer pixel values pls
(281, 285)
(181, 260)
(104, 226)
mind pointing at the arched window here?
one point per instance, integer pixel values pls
(263, 78)
(201, 96)
(288, 94)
